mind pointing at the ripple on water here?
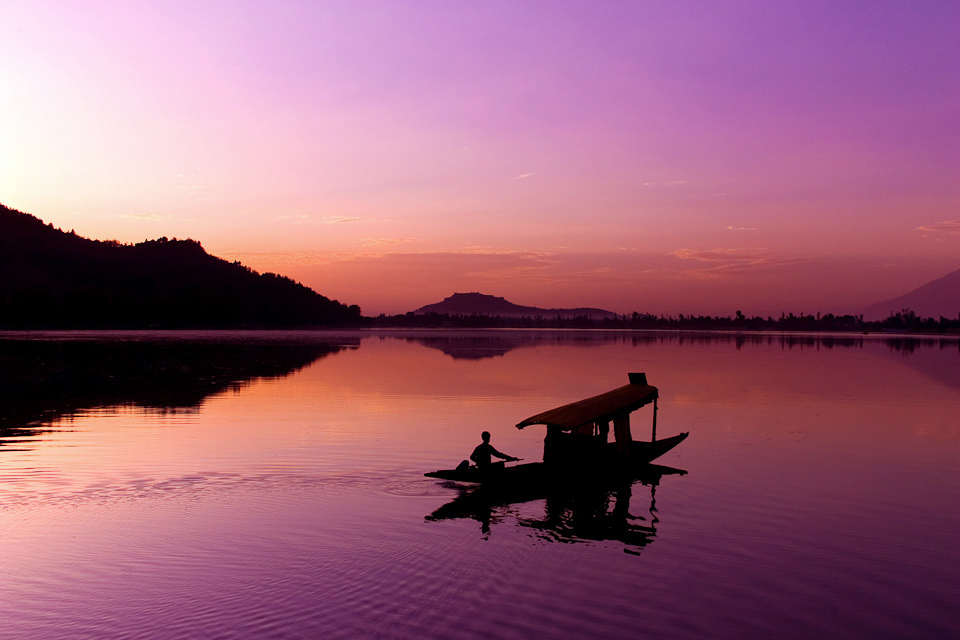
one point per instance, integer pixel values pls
(420, 487)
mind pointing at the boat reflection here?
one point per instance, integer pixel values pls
(46, 381)
(571, 514)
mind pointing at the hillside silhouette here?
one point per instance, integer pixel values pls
(486, 305)
(54, 279)
(940, 297)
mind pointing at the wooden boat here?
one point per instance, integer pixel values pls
(576, 447)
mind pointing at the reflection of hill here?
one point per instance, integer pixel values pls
(477, 345)
(932, 357)
(43, 380)
(468, 347)
(480, 344)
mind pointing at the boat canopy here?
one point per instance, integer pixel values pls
(602, 408)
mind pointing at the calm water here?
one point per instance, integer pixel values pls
(269, 485)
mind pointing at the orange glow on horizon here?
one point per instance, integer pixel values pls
(766, 157)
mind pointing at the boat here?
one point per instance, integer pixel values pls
(577, 447)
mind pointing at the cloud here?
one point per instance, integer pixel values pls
(732, 228)
(493, 265)
(481, 250)
(524, 176)
(339, 219)
(947, 227)
(149, 217)
(483, 263)
(671, 183)
(723, 262)
(384, 242)
(721, 255)
(296, 219)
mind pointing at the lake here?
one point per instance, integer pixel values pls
(270, 485)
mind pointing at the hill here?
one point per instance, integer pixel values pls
(53, 279)
(486, 305)
(940, 297)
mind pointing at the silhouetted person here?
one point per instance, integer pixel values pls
(481, 454)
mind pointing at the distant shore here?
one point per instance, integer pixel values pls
(903, 322)
(328, 333)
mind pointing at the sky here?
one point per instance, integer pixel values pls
(654, 156)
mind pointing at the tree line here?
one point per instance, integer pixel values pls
(904, 321)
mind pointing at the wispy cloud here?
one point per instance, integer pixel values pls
(384, 242)
(495, 266)
(149, 217)
(671, 183)
(279, 260)
(947, 227)
(481, 250)
(732, 228)
(339, 219)
(297, 219)
(722, 262)
(524, 176)
(721, 255)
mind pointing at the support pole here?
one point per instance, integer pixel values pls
(621, 431)
(654, 437)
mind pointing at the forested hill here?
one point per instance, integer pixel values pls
(53, 279)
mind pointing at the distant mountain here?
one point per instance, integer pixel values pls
(485, 305)
(940, 297)
(53, 279)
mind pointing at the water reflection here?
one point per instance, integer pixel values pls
(570, 514)
(918, 352)
(46, 380)
(479, 344)
(821, 499)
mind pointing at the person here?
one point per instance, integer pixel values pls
(481, 454)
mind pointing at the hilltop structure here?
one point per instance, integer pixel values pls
(487, 305)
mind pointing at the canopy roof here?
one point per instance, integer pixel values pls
(603, 407)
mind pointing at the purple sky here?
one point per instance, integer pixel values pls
(654, 156)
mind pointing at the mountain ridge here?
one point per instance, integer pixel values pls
(940, 297)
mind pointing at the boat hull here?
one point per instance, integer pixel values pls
(604, 466)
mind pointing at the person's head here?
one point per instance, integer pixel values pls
(485, 436)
